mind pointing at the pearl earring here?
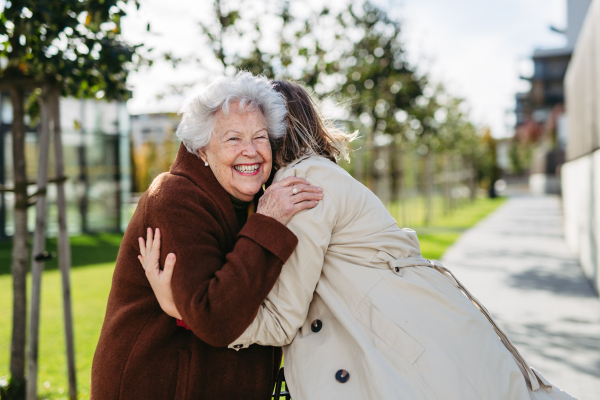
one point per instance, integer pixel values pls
(206, 164)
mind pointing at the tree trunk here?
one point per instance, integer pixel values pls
(393, 160)
(117, 177)
(369, 162)
(429, 182)
(20, 251)
(83, 178)
(472, 180)
(372, 173)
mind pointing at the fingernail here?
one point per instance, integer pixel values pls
(320, 189)
(171, 257)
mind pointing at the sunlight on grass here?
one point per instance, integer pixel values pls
(446, 229)
(433, 246)
(90, 287)
(93, 262)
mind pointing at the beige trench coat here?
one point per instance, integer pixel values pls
(362, 315)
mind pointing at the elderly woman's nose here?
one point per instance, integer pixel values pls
(249, 149)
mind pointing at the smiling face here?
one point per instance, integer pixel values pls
(239, 152)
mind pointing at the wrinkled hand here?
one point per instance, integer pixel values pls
(281, 203)
(160, 281)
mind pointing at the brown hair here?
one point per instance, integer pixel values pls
(307, 131)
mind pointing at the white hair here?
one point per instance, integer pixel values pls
(252, 92)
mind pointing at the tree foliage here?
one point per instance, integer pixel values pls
(376, 72)
(74, 43)
(297, 50)
(355, 56)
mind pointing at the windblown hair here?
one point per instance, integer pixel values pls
(252, 92)
(308, 132)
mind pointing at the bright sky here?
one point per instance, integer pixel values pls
(476, 48)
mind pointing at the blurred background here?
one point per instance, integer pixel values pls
(459, 105)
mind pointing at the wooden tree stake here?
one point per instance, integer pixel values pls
(64, 248)
(39, 242)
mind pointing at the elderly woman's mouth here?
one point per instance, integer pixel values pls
(247, 169)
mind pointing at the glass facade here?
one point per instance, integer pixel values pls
(96, 147)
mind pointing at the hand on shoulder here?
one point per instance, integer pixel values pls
(284, 199)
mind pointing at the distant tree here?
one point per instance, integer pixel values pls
(375, 69)
(294, 56)
(356, 57)
(379, 87)
(75, 47)
(520, 155)
(489, 170)
(453, 129)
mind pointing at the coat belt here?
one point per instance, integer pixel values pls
(534, 380)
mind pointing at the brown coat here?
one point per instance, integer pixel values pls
(221, 278)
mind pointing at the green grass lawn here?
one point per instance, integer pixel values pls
(445, 230)
(93, 262)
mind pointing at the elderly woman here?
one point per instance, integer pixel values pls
(362, 314)
(230, 260)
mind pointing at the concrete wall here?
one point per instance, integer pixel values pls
(580, 175)
(582, 89)
(581, 207)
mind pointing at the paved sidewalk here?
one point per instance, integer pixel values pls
(517, 264)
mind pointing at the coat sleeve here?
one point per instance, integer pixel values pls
(217, 294)
(286, 307)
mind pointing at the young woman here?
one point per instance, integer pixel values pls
(360, 313)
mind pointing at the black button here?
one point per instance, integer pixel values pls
(397, 269)
(238, 346)
(342, 376)
(316, 325)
